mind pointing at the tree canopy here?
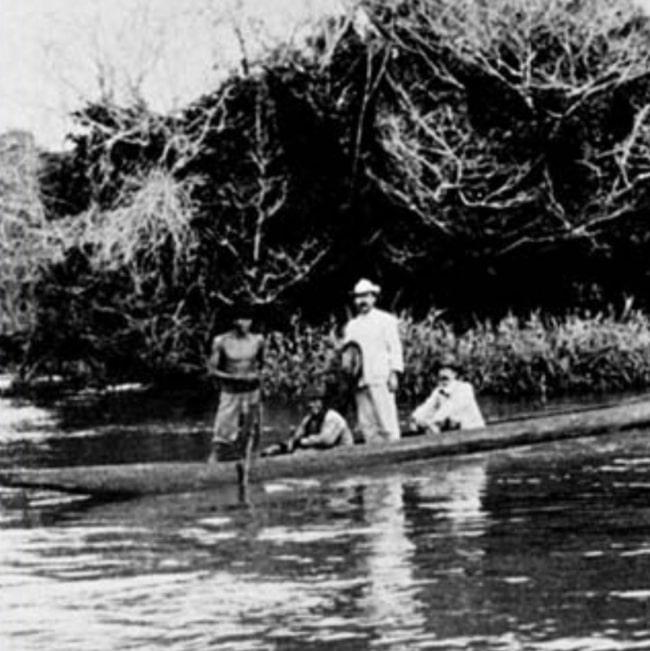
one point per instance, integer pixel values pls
(475, 155)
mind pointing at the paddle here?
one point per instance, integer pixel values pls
(250, 433)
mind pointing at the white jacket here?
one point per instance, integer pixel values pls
(456, 403)
(377, 334)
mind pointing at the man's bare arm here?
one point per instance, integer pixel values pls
(214, 361)
(261, 352)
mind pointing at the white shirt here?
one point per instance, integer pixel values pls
(377, 334)
(455, 402)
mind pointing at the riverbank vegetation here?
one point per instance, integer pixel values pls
(487, 158)
(513, 357)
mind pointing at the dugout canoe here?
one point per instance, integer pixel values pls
(128, 480)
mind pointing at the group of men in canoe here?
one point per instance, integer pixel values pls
(371, 361)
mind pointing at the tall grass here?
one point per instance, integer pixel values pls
(516, 357)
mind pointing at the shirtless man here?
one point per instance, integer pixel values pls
(236, 361)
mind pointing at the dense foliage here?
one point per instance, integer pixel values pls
(481, 156)
(513, 357)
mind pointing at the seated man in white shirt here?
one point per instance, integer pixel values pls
(451, 405)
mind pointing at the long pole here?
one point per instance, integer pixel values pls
(250, 434)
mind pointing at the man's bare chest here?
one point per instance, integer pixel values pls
(240, 349)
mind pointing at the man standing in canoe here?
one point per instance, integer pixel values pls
(377, 334)
(236, 362)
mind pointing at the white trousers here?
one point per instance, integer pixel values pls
(377, 414)
(236, 415)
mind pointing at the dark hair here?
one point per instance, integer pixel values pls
(242, 311)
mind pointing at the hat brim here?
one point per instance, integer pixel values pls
(313, 395)
(450, 364)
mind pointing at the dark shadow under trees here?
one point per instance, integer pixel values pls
(475, 156)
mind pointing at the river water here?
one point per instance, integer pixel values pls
(544, 548)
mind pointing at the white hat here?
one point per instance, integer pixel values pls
(364, 286)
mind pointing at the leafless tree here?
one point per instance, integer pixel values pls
(23, 232)
(517, 121)
(254, 235)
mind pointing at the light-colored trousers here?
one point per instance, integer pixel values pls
(237, 414)
(377, 413)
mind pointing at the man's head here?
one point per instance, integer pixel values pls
(242, 318)
(447, 371)
(365, 295)
(315, 399)
(446, 375)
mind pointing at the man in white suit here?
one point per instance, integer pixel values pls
(377, 334)
(451, 405)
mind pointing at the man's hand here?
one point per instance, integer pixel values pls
(393, 382)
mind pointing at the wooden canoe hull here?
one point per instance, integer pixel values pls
(155, 478)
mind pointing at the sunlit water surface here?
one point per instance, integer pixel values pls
(544, 548)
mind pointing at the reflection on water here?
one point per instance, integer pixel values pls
(121, 427)
(543, 548)
(389, 603)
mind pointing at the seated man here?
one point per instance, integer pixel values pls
(321, 428)
(451, 405)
